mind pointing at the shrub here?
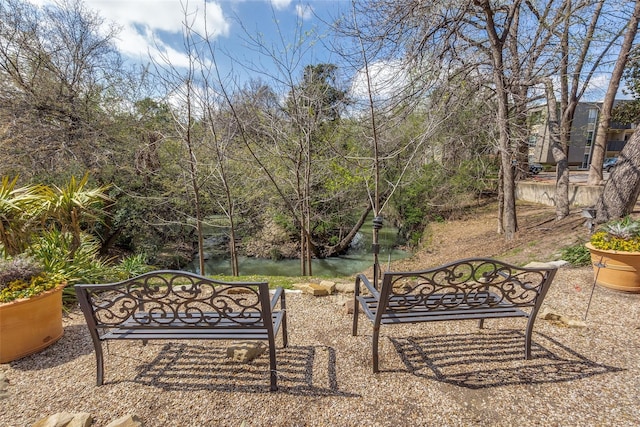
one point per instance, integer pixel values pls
(133, 265)
(577, 255)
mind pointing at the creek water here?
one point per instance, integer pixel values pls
(358, 258)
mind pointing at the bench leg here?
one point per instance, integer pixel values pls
(527, 338)
(375, 339)
(272, 367)
(285, 340)
(283, 307)
(356, 310)
(480, 323)
(99, 364)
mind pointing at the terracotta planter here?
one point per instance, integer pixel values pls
(30, 325)
(616, 270)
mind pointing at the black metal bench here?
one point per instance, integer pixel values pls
(475, 288)
(170, 305)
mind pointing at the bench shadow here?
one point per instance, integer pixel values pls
(494, 359)
(302, 370)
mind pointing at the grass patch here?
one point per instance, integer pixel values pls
(285, 282)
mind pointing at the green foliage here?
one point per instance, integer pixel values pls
(629, 112)
(434, 190)
(275, 254)
(341, 177)
(284, 221)
(53, 250)
(49, 224)
(132, 265)
(577, 255)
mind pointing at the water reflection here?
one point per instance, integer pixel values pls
(358, 258)
(328, 267)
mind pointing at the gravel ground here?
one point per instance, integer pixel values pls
(447, 373)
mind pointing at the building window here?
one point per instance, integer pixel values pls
(585, 162)
(589, 138)
(593, 115)
(533, 139)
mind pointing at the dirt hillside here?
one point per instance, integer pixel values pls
(540, 237)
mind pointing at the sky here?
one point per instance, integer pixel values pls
(153, 26)
(153, 29)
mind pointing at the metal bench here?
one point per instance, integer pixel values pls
(474, 288)
(171, 305)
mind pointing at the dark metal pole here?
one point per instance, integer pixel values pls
(377, 225)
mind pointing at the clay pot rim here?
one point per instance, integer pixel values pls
(610, 251)
(41, 295)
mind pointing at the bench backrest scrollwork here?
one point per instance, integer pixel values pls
(175, 299)
(466, 283)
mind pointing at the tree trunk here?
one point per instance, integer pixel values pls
(621, 191)
(343, 245)
(509, 222)
(600, 144)
(559, 153)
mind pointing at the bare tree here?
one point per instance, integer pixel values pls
(183, 89)
(599, 148)
(56, 65)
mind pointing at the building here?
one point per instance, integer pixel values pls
(583, 133)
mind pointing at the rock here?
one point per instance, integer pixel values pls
(345, 288)
(60, 419)
(312, 289)
(328, 285)
(65, 419)
(126, 421)
(246, 351)
(551, 264)
(573, 323)
(547, 314)
(348, 307)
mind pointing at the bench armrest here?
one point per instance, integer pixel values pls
(361, 278)
(277, 295)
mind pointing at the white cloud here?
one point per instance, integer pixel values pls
(387, 79)
(280, 4)
(147, 26)
(143, 21)
(304, 11)
(166, 16)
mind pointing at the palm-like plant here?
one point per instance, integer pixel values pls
(75, 208)
(21, 214)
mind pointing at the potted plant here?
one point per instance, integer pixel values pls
(615, 254)
(50, 224)
(30, 308)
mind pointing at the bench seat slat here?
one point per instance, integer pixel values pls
(215, 321)
(172, 334)
(225, 328)
(422, 313)
(414, 317)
